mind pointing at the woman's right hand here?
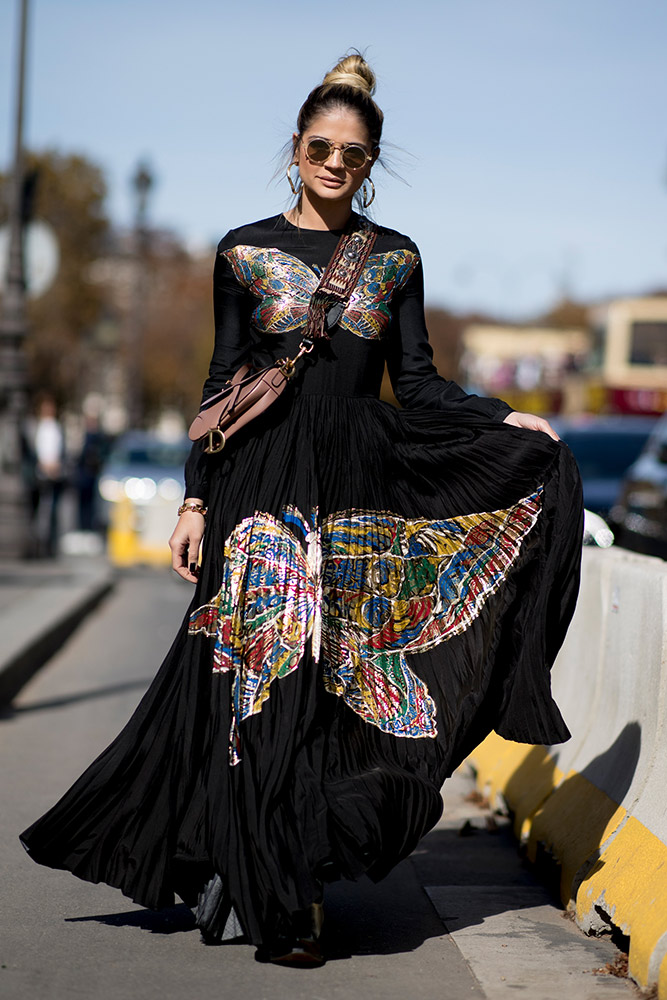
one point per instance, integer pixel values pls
(185, 543)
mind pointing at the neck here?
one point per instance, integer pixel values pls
(316, 213)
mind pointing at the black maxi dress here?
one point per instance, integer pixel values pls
(379, 589)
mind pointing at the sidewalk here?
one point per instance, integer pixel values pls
(509, 928)
(41, 603)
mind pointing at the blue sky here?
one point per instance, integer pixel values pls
(537, 127)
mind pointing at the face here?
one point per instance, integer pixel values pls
(47, 408)
(333, 181)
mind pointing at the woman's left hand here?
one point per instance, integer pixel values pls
(531, 422)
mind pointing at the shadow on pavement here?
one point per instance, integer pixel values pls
(392, 917)
(361, 918)
(172, 920)
(10, 711)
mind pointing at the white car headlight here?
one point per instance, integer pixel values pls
(170, 489)
(111, 489)
(140, 490)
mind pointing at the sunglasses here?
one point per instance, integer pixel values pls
(352, 154)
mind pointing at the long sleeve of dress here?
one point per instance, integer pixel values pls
(414, 377)
(230, 351)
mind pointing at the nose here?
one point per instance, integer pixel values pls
(335, 159)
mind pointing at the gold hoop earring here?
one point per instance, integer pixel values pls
(295, 190)
(368, 201)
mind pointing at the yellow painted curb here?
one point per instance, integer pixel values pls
(662, 981)
(510, 761)
(629, 882)
(571, 824)
(494, 760)
(522, 773)
(528, 786)
(485, 758)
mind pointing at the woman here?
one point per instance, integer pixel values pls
(378, 588)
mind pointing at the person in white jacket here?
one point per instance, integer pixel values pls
(49, 451)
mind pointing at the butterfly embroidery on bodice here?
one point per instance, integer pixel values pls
(367, 588)
(283, 286)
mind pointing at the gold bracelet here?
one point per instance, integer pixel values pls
(196, 508)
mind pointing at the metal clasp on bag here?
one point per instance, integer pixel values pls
(288, 365)
(216, 441)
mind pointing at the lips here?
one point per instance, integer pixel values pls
(332, 182)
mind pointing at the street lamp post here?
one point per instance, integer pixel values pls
(14, 513)
(142, 182)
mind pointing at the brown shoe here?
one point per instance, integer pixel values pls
(302, 952)
(303, 948)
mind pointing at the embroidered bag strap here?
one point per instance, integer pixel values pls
(248, 394)
(340, 278)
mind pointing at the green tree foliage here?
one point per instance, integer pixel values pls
(178, 332)
(566, 314)
(445, 334)
(69, 194)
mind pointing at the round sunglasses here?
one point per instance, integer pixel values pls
(352, 154)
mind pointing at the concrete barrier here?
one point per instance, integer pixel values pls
(597, 806)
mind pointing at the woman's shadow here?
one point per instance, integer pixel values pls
(362, 918)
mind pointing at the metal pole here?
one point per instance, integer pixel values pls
(142, 182)
(14, 512)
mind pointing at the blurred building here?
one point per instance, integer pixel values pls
(538, 369)
(630, 348)
(175, 328)
(616, 363)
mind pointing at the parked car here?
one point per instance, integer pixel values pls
(140, 487)
(640, 516)
(604, 447)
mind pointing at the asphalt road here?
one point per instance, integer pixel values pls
(61, 938)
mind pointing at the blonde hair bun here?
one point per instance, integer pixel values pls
(348, 86)
(352, 71)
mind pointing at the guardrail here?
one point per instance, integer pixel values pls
(594, 810)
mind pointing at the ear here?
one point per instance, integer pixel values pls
(295, 145)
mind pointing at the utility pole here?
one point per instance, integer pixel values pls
(142, 182)
(14, 512)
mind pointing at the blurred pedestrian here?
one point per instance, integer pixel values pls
(378, 590)
(48, 447)
(93, 454)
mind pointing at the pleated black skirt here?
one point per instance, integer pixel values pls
(379, 590)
